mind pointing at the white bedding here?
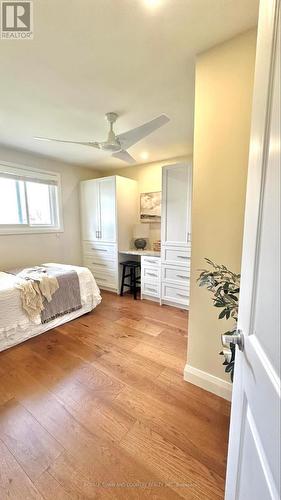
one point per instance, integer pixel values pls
(15, 326)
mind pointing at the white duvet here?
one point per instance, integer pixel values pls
(15, 326)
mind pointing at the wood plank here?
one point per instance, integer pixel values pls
(182, 428)
(104, 334)
(165, 359)
(50, 488)
(143, 326)
(123, 478)
(134, 370)
(27, 440)
(14, 483)
(188, 477)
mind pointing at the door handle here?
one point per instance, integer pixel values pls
(236, 339)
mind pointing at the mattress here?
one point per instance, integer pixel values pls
(16, 327)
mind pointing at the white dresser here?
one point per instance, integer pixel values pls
(109, 210)
(176, 234)
(151, 277)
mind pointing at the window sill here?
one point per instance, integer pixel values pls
(37, 230)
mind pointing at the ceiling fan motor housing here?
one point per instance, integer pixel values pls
(110, 146)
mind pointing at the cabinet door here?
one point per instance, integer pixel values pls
(176, 205)
(107, 205)
(89, 199)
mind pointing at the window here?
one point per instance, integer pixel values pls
(29, 200)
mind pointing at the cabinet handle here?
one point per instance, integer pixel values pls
(97, 234)
(181, 276)
(182, 295)
(99, 249)
(151, 260)
(182, 257)
(99, 264)
(151, 289)
(152, 274)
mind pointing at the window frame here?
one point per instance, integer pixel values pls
(55, 195)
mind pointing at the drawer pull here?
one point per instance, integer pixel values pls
(152, 260)
(182, 276)
(99, 264)
(151, 289)
(182, 295)
(152, 274)
(182, 257)
(99, 250)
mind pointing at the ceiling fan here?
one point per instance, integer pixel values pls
(118, 144)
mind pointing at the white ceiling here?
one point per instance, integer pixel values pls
(93, 56)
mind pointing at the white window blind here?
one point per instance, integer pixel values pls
(29, 200)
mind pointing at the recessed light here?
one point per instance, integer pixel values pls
(144, 155)
(152, 3)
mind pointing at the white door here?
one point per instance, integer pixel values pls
(253, 470)
(107, 202)
(89, 201)
(176, 204)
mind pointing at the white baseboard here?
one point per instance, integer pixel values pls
(208, 382)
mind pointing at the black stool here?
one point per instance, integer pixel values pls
(131, 266)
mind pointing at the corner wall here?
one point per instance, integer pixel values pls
(65, 247)
(223, 101)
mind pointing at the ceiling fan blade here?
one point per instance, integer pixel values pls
(124, 156)
(135, 135)
(49, 139)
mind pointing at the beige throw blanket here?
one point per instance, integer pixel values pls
(35, 285)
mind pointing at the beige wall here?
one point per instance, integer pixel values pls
(149, 177)
(62, 247)
(224, 85)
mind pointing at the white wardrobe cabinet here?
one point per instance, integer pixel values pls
(176, 234)
(109, 210)
(98, 207)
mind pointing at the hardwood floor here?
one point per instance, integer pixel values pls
(98, 408)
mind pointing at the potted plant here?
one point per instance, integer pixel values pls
(224, 286)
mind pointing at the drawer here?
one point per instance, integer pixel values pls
(99, 264)
(177, 275)
(150, 289)
(106, 283)
(178, 256)
(99, 250)
(179, 295)
(151, 274)
(105, 279)
(150, 261)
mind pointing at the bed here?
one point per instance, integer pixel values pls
(16, 326)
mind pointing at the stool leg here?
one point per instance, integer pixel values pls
(131, 280)
(135, 285)
(123, 280)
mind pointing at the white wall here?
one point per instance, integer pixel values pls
(62, 247)
(223, 102)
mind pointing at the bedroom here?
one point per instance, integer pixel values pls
(125, 132)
